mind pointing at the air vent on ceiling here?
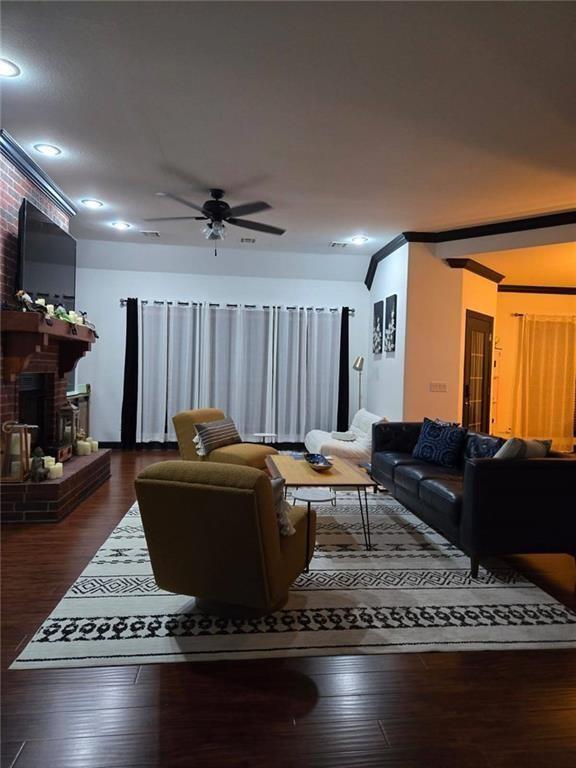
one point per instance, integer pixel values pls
(338, 245)
(149, 233)
(247, 239)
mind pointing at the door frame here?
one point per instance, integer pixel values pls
(487, 386)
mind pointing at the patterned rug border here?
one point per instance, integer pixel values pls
(421, 612)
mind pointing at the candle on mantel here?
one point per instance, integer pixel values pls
(50, 308)
(94, 444)
(49, 461)
(15, 469)
(56, 471)
(83, 448)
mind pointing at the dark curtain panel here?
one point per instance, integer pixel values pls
(130, 398)
(342, 422)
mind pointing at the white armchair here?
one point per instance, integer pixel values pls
(358, 448)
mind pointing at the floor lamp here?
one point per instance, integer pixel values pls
(358, 366)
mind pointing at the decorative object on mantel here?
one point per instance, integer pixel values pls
(16, 442)
(377, 328)
(67, 428)
(49, 312)
(390, 324)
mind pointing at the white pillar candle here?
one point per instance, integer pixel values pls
(15, 444)
(50, 308)
(56, 471)
(49, 461)
(94, 445)
(83, 448)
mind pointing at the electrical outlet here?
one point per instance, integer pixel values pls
(438, 386)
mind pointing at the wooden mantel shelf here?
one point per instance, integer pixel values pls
(26, 334)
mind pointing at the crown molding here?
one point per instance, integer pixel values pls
(477, 268)
(465, 233)
(555, 289)
(10, 148)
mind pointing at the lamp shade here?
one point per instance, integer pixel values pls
(358, 363)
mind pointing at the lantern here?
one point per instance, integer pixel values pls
(16, 442)
(66, 431)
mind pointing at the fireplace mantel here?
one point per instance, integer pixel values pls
(27, 336)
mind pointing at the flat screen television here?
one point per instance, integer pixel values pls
(47, 261)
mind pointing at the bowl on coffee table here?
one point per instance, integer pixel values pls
(318, 462)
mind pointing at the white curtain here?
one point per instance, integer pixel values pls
(546, 379)
(271, 369)
(153, 371)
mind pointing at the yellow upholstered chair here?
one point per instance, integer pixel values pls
(212, 532)
(247, 454)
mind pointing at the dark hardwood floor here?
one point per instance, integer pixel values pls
(457, 710)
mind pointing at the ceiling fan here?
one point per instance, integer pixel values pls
(218, 213)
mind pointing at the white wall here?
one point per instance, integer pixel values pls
(385, 372)
(101, 283)
(432, 336)
(506, 339)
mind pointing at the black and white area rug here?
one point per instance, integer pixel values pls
(411, 593)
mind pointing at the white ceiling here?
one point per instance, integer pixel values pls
(346, 117)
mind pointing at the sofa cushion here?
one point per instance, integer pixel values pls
(516, 448)
(386, 462)
(478, 446)
(444, 495)
(440, 443)
(215, 434)
(409, 476)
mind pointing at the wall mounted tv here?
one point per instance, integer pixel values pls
(47, 261)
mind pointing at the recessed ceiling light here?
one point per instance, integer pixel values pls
(8, 68)
(90, 203)
(120, 225)
(359, 239)
(48, 149)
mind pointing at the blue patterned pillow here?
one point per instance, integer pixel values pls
(440, 443)
(482, 446)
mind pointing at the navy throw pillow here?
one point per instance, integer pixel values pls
(440, 443)
(482, 446)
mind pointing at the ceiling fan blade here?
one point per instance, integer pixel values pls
(177, 218)
(256, 226)
(248, 208)
(183, 201)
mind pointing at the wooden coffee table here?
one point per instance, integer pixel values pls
(297, 473)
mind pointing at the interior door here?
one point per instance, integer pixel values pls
(477, 371)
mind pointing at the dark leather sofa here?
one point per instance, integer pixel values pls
(486, 506)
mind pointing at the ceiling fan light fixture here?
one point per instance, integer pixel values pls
(214, 230)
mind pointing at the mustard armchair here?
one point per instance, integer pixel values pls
(212, 532)
(246, 454)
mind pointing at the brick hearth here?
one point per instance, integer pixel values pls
(52, 500)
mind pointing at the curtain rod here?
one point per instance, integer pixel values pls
(352, 311)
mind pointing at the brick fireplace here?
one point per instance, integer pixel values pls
(35, 355)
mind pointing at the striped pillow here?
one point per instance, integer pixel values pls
(215, 434)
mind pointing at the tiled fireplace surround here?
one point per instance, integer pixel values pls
(50, 500)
